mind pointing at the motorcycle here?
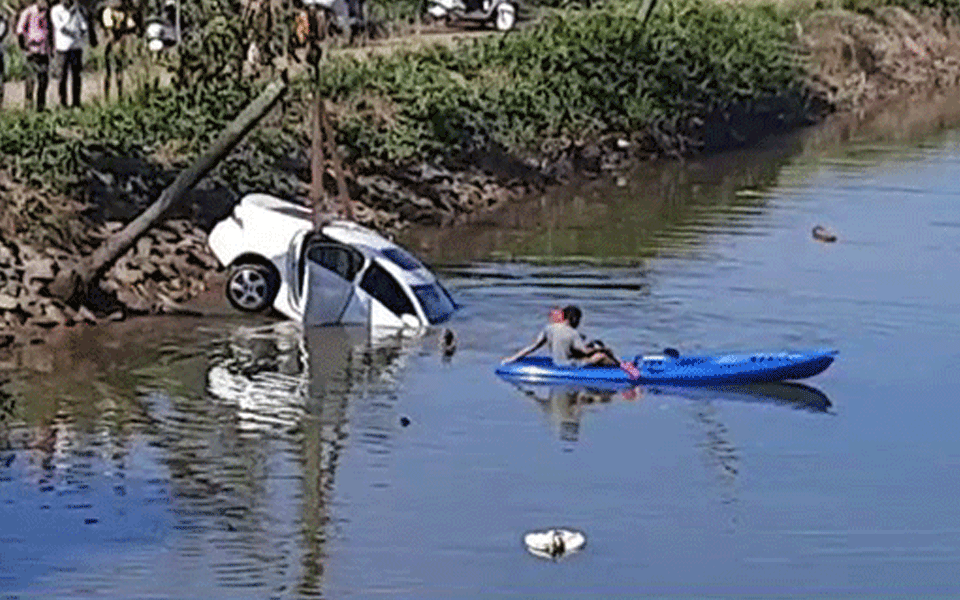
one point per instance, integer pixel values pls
(502, 14)
(341, 16)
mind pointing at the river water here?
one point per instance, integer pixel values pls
(236, 457)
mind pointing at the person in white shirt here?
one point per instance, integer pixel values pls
(70, 28)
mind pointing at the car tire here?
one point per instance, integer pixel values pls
(252, 287)
(506, 16)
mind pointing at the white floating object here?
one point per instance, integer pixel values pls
(554, 543)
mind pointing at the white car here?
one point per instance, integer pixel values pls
(345, 274)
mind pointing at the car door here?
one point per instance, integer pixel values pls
(329, 272)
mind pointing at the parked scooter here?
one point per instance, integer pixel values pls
(502, 14)
(342, 16)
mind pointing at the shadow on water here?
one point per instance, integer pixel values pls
(219, 444)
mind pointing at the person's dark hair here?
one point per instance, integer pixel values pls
(572, 315)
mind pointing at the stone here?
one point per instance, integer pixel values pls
(38, 269)
(47, 317)
(6, 256)
(144, 245)
(8, 302)
(65, 285)
(167, 270)
(125, 275)
(85, 315)
(133, 301)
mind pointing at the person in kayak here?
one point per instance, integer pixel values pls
(566, 344)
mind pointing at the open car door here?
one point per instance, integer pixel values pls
(328, 283)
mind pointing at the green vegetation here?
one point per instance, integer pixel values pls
(575, 75)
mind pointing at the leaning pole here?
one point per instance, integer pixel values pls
(108, 252)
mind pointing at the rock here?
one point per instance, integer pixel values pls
(8, 302)
(41, 269)
(167, 306)
(133, 301)
(85, 315)
(203, 259)
(65, 285)
(6, 256)
(167, 270)
(125, 275)
(48, 317)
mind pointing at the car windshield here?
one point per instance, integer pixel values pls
(436, 302)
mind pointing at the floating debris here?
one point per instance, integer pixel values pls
(404, 421)
(448, 343)
(823, 234)
(553, 544)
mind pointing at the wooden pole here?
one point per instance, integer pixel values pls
(343, 194)
(316, 164)
(116, 245)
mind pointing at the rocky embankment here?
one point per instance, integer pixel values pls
(854, 60)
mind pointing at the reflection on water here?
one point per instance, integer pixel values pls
(670, 208)
(187, 457)
(566, 403)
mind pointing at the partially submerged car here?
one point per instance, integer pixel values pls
(343, 274)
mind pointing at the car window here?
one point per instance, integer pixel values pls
(382, 286)
(436, 302)
(345, 262)
(402, 259)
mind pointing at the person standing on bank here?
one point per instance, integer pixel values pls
(33, 35)
(3, 69)
(70, 27)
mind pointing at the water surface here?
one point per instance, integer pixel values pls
(236, 457)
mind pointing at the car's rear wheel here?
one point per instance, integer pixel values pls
(252, 287)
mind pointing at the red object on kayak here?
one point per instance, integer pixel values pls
(630, 369)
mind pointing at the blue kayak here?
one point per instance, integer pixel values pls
(720, 369)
